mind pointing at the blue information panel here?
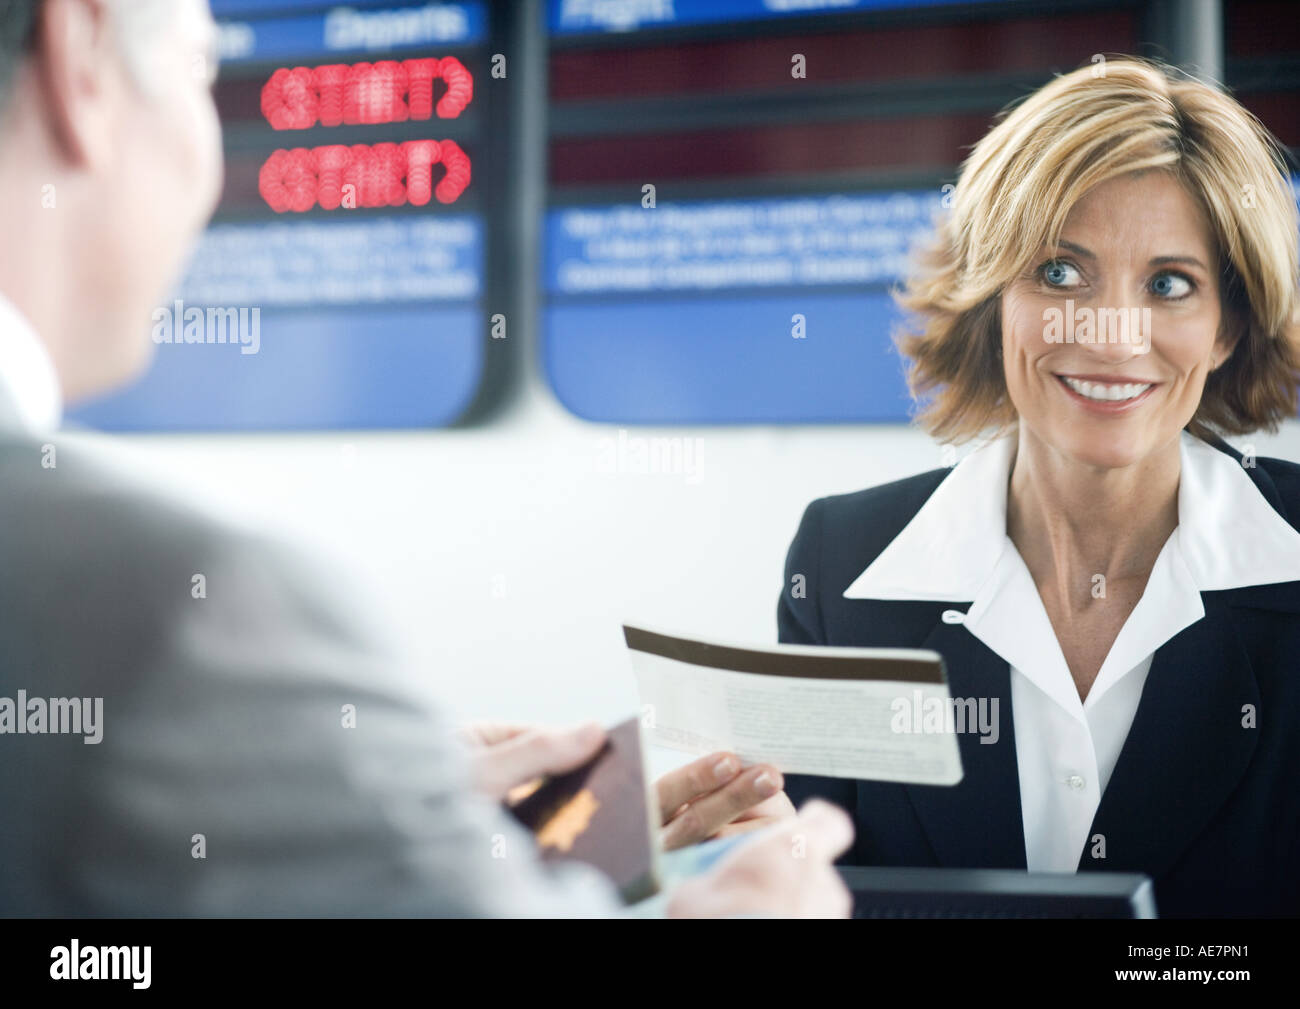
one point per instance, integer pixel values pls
(736, 311)
(342, 283)
(352, 28)
(585, 17)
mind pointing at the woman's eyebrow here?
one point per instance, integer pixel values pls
(1079, 250)
(1189, 260)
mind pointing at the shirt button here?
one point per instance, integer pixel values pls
(1075, 782)
(953, 617)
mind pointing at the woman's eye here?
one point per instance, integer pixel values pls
(1171, 285)
(1058, 273)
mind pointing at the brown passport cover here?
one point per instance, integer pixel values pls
(600, 814)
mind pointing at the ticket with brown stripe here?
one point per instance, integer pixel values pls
(878, 714)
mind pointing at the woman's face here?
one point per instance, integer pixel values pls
(1140, 244)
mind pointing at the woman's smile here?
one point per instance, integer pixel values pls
(1107, 397)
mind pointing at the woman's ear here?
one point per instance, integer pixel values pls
(1224, 346)
(1234, 320)
(1232, 328)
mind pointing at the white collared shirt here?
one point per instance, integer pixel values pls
(956, 549)
(28, 381)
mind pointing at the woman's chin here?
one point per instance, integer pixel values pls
(1095, 450)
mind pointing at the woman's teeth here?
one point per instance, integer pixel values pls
(1106, 393)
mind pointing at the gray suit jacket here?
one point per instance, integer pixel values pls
(223, 716)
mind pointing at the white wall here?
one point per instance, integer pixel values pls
(440, 521)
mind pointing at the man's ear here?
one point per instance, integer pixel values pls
(78, 69)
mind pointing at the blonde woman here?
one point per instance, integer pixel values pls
(1115, 589)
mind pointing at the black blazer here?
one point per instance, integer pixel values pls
(1209, 809)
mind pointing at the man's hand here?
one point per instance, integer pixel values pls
(504, 756)
(785, 872)
(716, 796)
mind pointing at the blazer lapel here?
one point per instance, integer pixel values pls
(976, 823)
(1185, 753)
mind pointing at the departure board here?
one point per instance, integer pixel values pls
(736, 186)
(342, 281)
(702, 217)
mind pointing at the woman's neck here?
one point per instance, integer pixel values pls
(1072, 522)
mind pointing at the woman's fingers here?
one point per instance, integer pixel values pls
(706, 815)
(690, 781)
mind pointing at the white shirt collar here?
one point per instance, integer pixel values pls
(29, 385)
(1228, 535)
(956, 549)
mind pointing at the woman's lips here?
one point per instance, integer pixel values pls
(1104, 406)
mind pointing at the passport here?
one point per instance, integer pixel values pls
(602, 814)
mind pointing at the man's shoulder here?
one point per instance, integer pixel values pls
(103, 568)
(68, 503)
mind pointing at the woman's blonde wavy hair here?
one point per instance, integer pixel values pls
(1012, 197)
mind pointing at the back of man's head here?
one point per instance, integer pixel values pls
(110, 162)
(17, 22)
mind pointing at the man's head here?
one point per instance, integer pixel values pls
(110, 164)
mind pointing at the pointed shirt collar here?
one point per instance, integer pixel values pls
(956, 549)
(1229, 536)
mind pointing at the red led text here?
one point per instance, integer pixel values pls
(365, 93)
(380, 175)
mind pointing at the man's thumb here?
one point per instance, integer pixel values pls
(536, 753)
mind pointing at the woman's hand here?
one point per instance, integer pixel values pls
(504, 756)
(716, 796)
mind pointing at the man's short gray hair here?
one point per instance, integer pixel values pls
(134, 20)
(17, 26)
(137, 23)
